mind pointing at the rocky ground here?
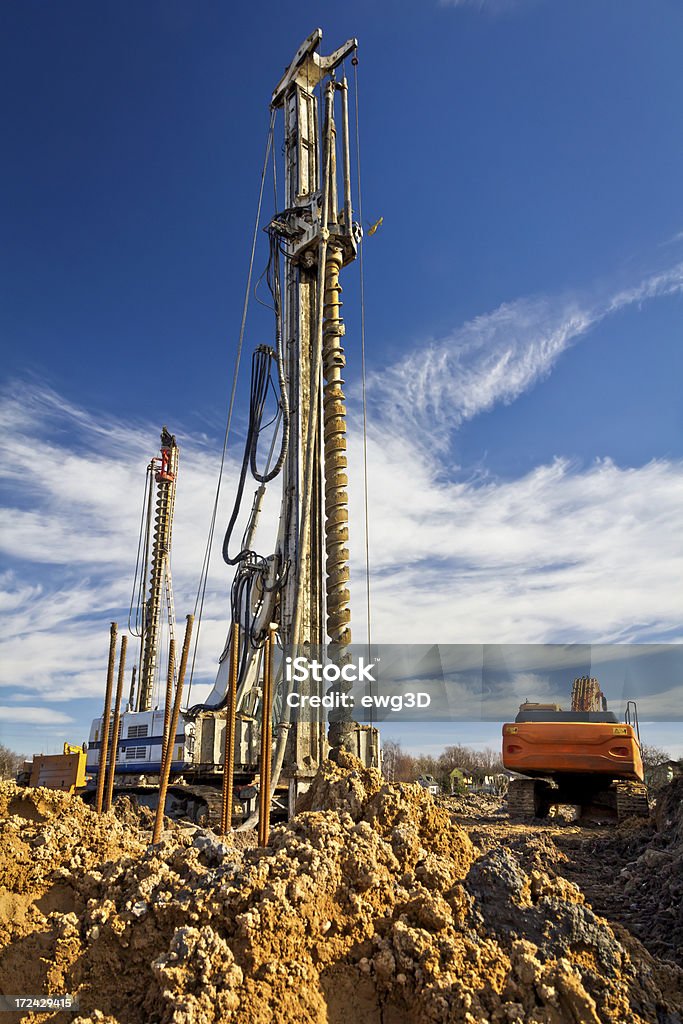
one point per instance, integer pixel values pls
(374, 904)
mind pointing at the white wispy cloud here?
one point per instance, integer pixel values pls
(565, 553)
(34, 716)
(562, 554)
(494, 358)
(69, 529)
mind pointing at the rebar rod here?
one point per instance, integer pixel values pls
(167, 755)
(266, 741)
(104, 740)
(169, 696)
(109, 791)
(229, 735)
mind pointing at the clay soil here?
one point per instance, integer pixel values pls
(375, 904)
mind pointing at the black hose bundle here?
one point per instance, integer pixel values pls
(261, 381)
(249, 564)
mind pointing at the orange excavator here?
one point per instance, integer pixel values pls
(584, 757)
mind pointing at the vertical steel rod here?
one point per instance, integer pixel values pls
(346, 155)
(169, 697)
(266, 741)
(109, 790)
(316, 363)
(167, 755)
(131, 697)
(229, 736)
(104, 738)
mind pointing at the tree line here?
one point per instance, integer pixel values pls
(400, 766)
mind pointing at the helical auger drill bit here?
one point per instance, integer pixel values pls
(336, 495)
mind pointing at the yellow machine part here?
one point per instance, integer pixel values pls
(60, 771)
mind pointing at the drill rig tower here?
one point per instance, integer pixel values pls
(302, 588)
(160, 567)
(319, 238)
(305, 588)
(299, 593)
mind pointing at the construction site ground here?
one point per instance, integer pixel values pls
(375, 903)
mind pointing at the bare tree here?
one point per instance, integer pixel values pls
(490, 760)
(397, 765)
(654, 762)
(10, 762)
(457, 757)
(653, 757)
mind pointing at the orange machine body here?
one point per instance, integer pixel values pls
(576, 748)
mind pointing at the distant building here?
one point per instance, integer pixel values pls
(429, 783)
(480, 780)
(459, 779)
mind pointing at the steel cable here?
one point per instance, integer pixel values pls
(201, 590)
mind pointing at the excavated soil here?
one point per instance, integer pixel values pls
(373, 904)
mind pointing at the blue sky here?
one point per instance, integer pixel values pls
(524, 310)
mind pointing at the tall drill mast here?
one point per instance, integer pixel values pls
(165, 478)
(299, 594)
(302, 589)
(318, 239)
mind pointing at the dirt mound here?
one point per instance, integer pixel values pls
(48, 842)
(133, 814)
(370, 904)
(637, 872)
(653, 882)
(45, 834)
(474, 805)
(669, 811)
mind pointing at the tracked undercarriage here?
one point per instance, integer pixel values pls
(194, 803)
(534, 798)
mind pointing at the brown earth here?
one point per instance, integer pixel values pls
(375, 903)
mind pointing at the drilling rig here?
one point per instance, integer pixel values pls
(584, 757)
(160, 576)
(299, 592)
(138, 751)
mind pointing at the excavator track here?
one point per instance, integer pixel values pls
(207, 801)
(199, 805)
(632, 800)
(528, 798)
